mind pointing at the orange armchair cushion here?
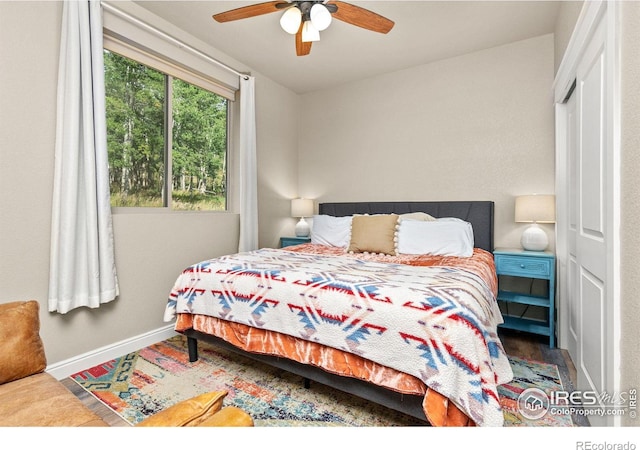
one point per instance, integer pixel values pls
(21, 349)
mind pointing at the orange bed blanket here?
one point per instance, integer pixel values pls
(439, 411)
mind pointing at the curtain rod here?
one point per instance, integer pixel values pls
(175, 41)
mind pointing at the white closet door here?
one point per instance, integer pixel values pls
(592, 294)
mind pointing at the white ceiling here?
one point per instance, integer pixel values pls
(424, 31)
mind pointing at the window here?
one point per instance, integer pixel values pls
(167, 139)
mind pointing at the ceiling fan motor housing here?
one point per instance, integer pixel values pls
(305, 6)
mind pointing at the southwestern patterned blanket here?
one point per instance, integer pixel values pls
(436, 323)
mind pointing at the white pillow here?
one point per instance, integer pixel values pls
(331, 231)
(444, 237)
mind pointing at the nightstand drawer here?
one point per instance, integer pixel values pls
(527, 266)
(287, 241)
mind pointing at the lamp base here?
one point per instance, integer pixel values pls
(534, 238)
(302, 228)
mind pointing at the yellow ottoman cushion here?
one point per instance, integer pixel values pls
(201, 410)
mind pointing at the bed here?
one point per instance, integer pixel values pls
(413, 331)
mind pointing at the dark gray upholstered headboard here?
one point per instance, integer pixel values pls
(478, 213)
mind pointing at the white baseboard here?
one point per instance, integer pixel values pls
(78, 363)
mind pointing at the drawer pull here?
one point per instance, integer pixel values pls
(522, 266)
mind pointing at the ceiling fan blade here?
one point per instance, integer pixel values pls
(360, 17)
(247, 11)
(302, 48)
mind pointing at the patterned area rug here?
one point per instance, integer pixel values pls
(142, 383)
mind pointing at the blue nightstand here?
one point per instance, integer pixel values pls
(287, 241)
(532, 265)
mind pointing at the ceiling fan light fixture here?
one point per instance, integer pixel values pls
(291, 20)
(309, 32)
(306, 18)
(320, 17)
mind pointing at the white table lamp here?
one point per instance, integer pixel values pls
(302, 207)
(535, 209)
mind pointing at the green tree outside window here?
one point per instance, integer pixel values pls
(196, 148)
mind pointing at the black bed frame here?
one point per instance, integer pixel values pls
(478, 213)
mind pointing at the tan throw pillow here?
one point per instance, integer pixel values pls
(374, 234)
(21, 349)
(187, 413)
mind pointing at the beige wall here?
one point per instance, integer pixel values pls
(475, 127)
(151, 248)
(278, 123)
(565, 23)
(630, 199)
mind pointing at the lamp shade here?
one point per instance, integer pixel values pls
(536, 208)
(301, 207)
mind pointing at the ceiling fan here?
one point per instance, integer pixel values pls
(306, 19)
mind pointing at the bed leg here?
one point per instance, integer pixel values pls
(192, 345)
(307, 383)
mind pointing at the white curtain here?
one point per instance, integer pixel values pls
(82, 263)
(248, 167)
